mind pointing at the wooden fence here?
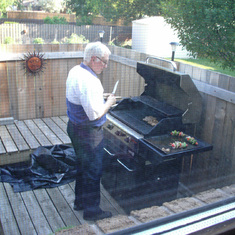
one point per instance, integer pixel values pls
(23, 97)
(39, 15)
(26, 33)
(217, 126)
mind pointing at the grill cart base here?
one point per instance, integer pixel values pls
(136, 183)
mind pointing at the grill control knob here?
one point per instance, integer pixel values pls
(110, 126)
(119, 133)
(128, 139)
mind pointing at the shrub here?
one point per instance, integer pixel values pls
(48, 20)
(84, 20)
(55, 42)
(9, 40)
(74, 38)
(38, 41)
(55, 20)
(127, 43)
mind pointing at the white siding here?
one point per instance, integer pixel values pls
(153, 36)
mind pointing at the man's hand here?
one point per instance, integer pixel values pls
(111, 100)
(106, 95)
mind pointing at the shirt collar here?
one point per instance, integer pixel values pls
(88, 69)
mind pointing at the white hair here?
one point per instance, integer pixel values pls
(95, 49)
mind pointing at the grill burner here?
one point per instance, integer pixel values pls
(137, 170)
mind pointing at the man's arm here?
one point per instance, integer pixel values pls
(111, 100)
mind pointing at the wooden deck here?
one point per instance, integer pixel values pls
(41, 211)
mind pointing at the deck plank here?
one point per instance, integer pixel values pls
(68, 194)
(38, 218)
(2, 149)
(28, 136)
(8, 221)
(17, 137)
(63, 207)
(21, 214)
(56, 129)
(111, 201)
(64, 119)
(106, 203)
(106, 206)
(49, 210)
(47, 132)
(7, 140)
(60, 123)
(37, 133)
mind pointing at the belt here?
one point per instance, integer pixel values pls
(86, 126)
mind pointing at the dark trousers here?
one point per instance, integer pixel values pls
(88, 145)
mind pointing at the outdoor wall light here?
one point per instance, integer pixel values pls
(101, 34)
(173, 48)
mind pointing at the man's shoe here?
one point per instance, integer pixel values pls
(78, 207)
(97, 216)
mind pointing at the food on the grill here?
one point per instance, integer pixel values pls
(178, 133)
(151, 120)
(191, 140)
(166, 150)
(178, 145)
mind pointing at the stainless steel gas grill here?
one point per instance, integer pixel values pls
(143, 161)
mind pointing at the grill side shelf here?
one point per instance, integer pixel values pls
(147, 148)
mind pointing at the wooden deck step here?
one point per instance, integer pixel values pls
(19, 139)
(7, 141)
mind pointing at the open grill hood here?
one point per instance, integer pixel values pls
(171, 89)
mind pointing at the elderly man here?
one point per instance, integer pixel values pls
(87, 110)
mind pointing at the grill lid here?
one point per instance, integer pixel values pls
(172, 88)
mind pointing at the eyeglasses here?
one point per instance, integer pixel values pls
(104, 62)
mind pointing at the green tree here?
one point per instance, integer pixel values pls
(52, 5)
(5, 4)
(19, 4)
(112, 10)
(205, 27)
(84, 9)
(129, 10)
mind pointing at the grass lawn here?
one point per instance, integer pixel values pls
(206, 64)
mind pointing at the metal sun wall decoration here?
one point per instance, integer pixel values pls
(34, 62)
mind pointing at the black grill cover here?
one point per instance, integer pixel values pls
(51, 166)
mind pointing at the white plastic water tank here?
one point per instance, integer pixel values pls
(153, 35)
